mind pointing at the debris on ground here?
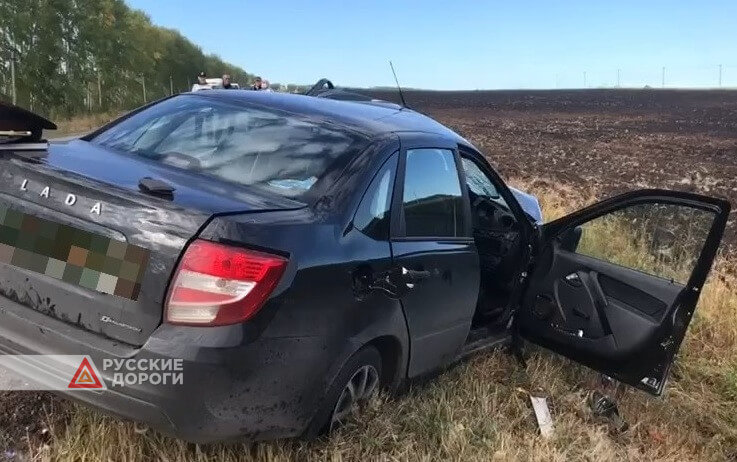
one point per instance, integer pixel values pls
(542, 414)
(605, 408)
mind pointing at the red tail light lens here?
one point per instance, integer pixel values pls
(217, 284)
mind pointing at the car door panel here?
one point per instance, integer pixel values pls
(584, 308)
(439, 306)
(623, 322)
(437, 348)
(435, 257)
(629, 296)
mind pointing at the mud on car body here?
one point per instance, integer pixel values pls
(297, 253)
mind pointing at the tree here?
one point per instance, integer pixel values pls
(72, 54)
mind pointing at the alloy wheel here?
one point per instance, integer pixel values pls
(360, 388)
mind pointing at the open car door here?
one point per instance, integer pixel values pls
(614, 286)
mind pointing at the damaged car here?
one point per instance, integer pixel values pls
(298, 253)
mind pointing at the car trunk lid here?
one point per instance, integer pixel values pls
(82, 241)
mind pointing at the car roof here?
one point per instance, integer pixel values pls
(372, 118)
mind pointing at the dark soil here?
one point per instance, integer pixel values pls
(608, 141)
(27, 419)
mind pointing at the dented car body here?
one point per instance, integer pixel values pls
(286, 248)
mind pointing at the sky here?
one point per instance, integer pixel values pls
(464, 44)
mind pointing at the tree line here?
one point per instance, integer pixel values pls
(66, 57)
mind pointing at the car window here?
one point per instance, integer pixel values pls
(432, 200)
(235, 142)
(661, 239)
(372, 215)
(479, 183)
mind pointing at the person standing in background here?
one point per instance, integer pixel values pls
(226, 82)
(256, 84)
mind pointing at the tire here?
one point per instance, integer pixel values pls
(357, 382)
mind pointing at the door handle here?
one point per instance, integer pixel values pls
(410, 277)
(415, 275)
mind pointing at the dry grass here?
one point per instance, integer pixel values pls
(480, 410)
(81, 125)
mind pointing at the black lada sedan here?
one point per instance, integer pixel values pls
(293, 254)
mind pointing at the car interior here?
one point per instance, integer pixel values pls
(497, 235)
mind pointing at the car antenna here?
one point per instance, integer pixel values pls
(401, 95)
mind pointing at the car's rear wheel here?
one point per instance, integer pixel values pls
(355, 385)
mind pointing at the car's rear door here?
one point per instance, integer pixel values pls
(434, 255)
(615, 285)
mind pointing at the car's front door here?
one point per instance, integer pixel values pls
(614, 286)
(433, 251)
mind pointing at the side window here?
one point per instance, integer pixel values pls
(661, 239)
(479, 184)
(432, 200)
(372, 215)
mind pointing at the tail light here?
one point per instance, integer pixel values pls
(217, 284)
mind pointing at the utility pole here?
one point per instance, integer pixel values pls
(171, 85)
(619, 82)
(143, 82)
(720, 76)
(12, 77)
(662, 78)
(557, 81)
(99, 89)
(584, 79)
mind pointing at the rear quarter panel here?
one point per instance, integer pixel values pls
(315, 300)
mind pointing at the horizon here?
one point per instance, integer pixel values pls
(465, 46)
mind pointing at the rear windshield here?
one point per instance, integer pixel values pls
(236, 142)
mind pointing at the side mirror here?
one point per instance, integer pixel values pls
(570, 239)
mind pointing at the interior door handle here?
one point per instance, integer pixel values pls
(601, 302)
(574, 279)
(599, 294)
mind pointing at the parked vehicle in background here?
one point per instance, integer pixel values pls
(213, 84)
(298, 253)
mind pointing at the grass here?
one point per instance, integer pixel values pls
(81, 125)
(480, 409)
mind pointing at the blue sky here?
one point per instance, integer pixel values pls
(466, 44)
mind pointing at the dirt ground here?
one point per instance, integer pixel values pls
(600, 141)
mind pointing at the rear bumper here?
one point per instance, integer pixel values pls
(231, 388)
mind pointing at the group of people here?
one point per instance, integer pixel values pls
(225, 83)
(260, 84)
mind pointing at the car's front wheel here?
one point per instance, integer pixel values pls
(355, 385)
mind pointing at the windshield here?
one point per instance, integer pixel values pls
(238, 143)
